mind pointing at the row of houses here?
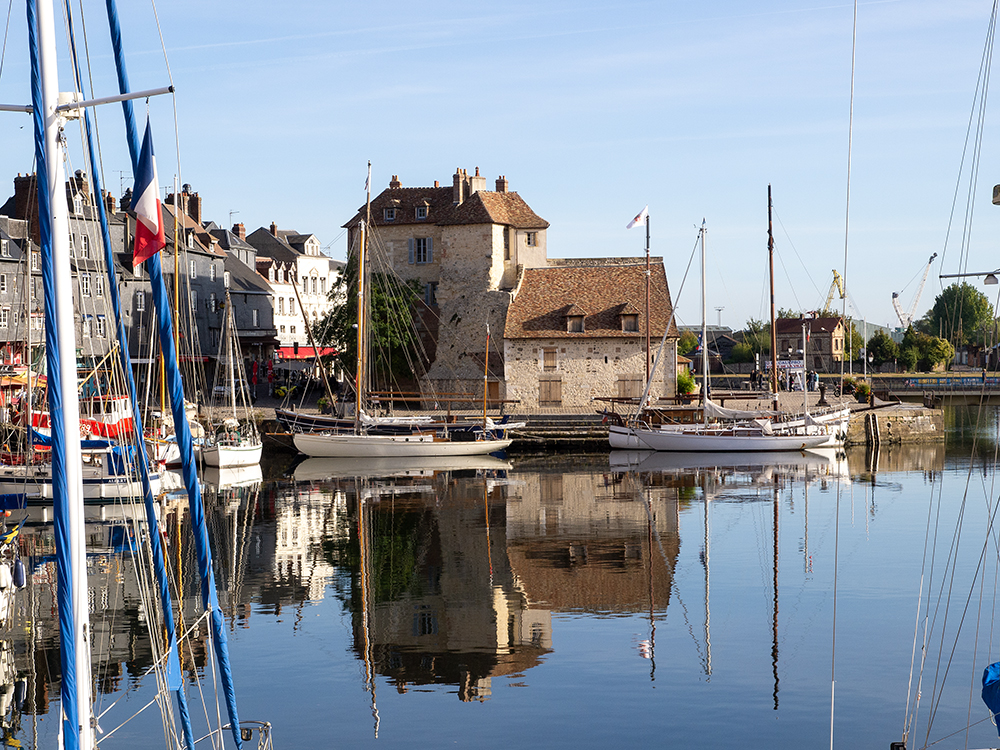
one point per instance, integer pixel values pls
(573, 329)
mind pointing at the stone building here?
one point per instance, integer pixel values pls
(825, 345)
(576, 330)
(463, 246)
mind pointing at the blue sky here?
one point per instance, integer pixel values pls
(591, 110)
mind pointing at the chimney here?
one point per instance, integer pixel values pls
(26, 204)
(476, 183)
(394, 183)
(274, 229)
(240, 231)
(194, 208)
(458, 187)
(109, 203)
(437, 183)
(501, 184)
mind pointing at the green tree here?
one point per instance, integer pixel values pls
(742, 352)
(907, 360)
(783, 313)
(688, 343)
(962, 314)
(394, 349)
(855, 342)
(923, 352)
(882, 348)
(757, 335)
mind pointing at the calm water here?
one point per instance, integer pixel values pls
(567, 601)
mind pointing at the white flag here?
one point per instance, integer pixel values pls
(368, 182)
(640, 219)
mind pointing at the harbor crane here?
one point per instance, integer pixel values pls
(837, 285)
(906, 318)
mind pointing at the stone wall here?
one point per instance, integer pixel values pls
(898, 424)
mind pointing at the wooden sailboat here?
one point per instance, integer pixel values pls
(364, 438)
(235, 440)
(724, 430)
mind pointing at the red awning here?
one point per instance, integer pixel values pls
(305, 352)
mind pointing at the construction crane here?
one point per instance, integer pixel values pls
(906, 318)
(836, 286)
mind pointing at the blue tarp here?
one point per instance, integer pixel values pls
(46, 440)
(991, 688)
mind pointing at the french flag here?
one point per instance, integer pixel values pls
(149, 236)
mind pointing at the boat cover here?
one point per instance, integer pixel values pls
(714, 411)
(991, 689)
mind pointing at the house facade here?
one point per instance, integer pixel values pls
(824, 341)
(576, 330)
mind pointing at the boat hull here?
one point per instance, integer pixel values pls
(231, 456)
(36, 483)
(326, 445)
(709, 440)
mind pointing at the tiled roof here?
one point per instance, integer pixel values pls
(484, 207)
(545, 295)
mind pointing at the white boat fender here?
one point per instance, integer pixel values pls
(18, 574)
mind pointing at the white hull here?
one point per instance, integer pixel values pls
(327, 445)
(318, 469)
(232, 456)
(717, 439)
(36, 483)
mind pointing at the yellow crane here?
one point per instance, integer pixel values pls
(837, 285)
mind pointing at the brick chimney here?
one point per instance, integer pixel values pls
(240, 231)
(274, 229)
(394, 183)
(476, 183)
(437, 183)
(26, 204)
(501, 184)
(191, 203)
(109, 203)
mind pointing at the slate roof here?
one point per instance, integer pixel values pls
(272, 247)
(482, 207)
(228, 240)
(545, 295)
(243, 279)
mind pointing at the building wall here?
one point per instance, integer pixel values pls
(585, 369)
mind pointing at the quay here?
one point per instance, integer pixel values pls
(885, 422)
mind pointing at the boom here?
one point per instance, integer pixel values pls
(906, 318)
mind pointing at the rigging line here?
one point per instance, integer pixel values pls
(796, 251)
(6, 31)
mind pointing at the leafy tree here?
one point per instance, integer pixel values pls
(924, 352)
(855, 342)
(783, 313)
(962, 314)
(882, 348)
(757, 335)
(394, 348)
(688, 343)
(742, 352)
(685, 382)
(907, 359)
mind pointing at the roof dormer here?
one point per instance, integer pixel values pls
(575, 316)
(628, 316)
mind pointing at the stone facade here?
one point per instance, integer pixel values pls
(825, 347)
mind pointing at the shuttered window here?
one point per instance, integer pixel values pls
(549, 391)
(421, 250)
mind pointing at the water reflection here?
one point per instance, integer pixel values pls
(453, 578)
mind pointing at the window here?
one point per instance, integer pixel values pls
(99, 285)
(421, 250)
(549, 391)
(213, 303)
(4, 317)
(85, 284)
(282, 330)
(102, 328)
(84, 246)
(36, 260)
(140, 301)
(315, 285)
(77, 203)
(194, 300)
(255, 317)
(430, 293)
(212, 271)
(421, 212)
(548, 359)
(531, 238)
(192, 270)
(506, 243)
(88, 324)
(190, 239)
(5, 248)
(630, 322)
(281, 275)
(270, 274)
(3, 283)
(389, 214)
(291, 305)
(574, 323)
(281, 305)
(322, 285)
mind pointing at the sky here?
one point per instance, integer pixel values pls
(592, 111)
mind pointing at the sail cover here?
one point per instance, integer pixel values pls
(714, 411)
(991, 689)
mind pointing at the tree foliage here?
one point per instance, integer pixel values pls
(961, 314)
(757, 335)
(882, 348)
(688, 343)
(394, 346)
(921, 351)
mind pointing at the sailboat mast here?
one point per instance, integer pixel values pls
(647, 298)
(704, 330)
(67, 462)
(486, 376)
(359, 370)
(774, 333)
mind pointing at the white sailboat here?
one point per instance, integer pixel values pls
(726, 430)
(364, 439)
(235, 440)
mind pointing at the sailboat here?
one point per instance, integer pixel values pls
(722, 429)
(364, 438)
(235, 441)
(78, 724)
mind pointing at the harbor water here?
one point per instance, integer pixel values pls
(583, 600)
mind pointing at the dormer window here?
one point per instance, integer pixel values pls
(190, 239)
(574, 323)
(270, 274)
(389, 214)
(630, 322)
(421, 212)
(77, 203)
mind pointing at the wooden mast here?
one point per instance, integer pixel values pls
(774, 333)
